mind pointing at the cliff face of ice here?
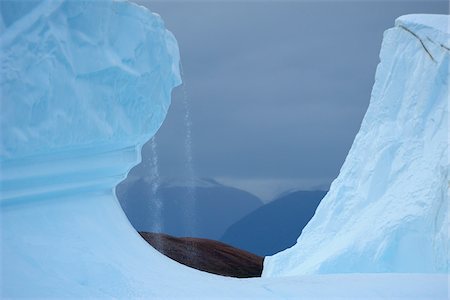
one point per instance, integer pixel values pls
(83, 75)
(83, 85)
(387, 211)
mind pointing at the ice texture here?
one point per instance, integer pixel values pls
(387, 211)
(83, 85)
(111, 90)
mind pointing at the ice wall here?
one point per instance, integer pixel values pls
(84, 75)
(387, 211)
(83, 85)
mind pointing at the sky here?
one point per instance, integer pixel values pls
(276, 91)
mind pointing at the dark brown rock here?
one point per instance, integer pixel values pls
(207, 255)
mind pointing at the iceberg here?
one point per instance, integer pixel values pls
(67, 68)
(84, 84)
(387, 211)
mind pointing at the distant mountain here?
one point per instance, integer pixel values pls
(200, 208)
(276, 225)
(207, 255)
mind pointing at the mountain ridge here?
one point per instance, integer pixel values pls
(263, 232)
(203, 211)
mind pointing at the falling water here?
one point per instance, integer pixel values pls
(190, 196)
(157, 204)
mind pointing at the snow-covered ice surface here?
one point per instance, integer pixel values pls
(387, 211)
(83, 86)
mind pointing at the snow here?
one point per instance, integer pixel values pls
(84, 85)
(387, 211)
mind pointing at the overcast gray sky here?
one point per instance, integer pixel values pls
(277, 90)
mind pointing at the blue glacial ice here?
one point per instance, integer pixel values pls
(83, 86)
(387, 211)
(113, 87)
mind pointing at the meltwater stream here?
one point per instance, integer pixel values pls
(156, 213)
(156, 204)
(190, 215)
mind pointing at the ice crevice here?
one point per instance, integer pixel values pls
(420, 40)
